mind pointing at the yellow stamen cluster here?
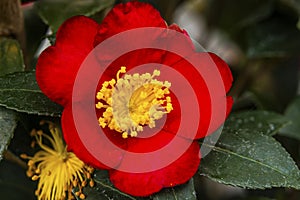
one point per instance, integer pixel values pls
(57, 170)
(133, 101)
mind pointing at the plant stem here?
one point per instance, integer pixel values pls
(8, 155)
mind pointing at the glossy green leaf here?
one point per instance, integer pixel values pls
(104, 189)
(270, 38)
(20, 92)
(268, 123)
(293, 114)
(248, 158)
(11, 58)
(8, 123)
(65, 9)
(185, 191)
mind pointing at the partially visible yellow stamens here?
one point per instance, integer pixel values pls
(133, 101)
(57, 170)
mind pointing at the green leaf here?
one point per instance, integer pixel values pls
(65, 9)
(186, 191)
(249, 158)
(11, 58)
(104, 189)
(8, 123)
(264, 122)
(293, 114)
(20, 92)
(269, 38)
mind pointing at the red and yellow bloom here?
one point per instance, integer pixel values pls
(56, 72)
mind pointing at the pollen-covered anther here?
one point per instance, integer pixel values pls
(133, 101)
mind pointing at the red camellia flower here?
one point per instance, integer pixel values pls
(148, 99)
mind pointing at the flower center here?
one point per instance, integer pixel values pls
(133, 101)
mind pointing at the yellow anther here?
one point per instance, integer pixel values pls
(39, 132)
(77, 193)
(99, 96)
(38, 171)
(83, 184)
(30, 163)
(36, 192)
(156, 73)
(133, 101)
(82, 196)
(169, 108)
(88, 175)
(112, 82)
(35, 177)
(90, 170)
(133, 134)
(124, 135)
(99, 105)
(122, 70)
(105, 84)
(29, 173)
(75, 183)
(24, 156)
(92, 183)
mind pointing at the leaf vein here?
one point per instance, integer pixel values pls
(222, 150)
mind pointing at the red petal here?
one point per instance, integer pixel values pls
(145, 184)
(200, 89)
(76, 145)
(229, 104)
(177, 28)
(223, 69)
(57, 66)
(133, 59)
(149, 143)
(128, 16)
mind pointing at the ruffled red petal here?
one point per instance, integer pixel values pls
(145, 184)
(57, 66)
(76, 145)
(128, 16)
